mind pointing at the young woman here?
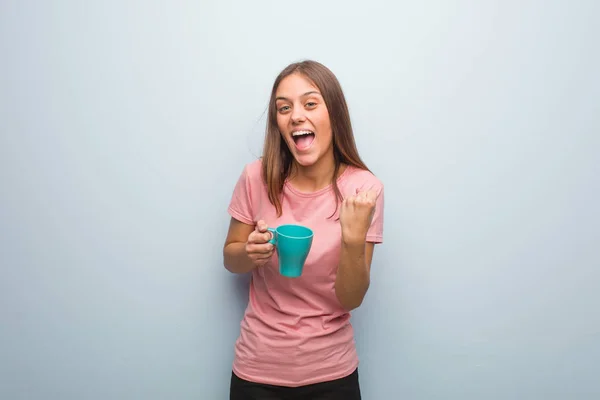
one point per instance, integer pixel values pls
(296, 340)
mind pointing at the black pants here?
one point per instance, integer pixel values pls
(346, 388)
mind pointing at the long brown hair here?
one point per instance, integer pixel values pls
(277, 157)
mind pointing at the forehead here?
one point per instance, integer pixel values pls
(295, 85)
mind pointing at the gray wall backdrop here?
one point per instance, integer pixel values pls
(124, 125)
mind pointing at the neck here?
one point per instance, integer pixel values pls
(314, 177)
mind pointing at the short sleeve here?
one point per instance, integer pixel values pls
(375, 232)
(240, 206)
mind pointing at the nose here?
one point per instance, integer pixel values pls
(298, 115)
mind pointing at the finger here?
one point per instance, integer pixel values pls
(259, 248)
(263, 257)
(372, 195)
(368, 194)
(362, 195)
(259, 238)
(360, 199)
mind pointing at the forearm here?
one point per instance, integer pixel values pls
(235, 258)
(352, 281)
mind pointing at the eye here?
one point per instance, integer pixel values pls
(311, 104)
(283, 109)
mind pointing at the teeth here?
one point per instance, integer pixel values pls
(299, 133)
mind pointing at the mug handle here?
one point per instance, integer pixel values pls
(272, 241)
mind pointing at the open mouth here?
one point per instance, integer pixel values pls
(303, 139)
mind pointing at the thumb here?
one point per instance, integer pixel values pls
(261, 226)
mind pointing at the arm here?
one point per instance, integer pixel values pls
(246, 247)
(353, 275)
(354, 268)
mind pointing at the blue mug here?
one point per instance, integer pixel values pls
(292, 243)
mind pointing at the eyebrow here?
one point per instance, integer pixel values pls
(305, 94)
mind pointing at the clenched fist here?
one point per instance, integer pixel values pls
(258, 248)
(356, 215)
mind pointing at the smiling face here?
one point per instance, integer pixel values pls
(303, 120)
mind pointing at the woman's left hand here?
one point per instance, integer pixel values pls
(356, 214)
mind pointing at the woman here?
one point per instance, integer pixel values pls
(296, 340)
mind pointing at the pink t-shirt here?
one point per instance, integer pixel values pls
(294, 331)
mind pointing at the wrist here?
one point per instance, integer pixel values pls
(351, 239)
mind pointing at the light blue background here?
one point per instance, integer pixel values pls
(482, 119)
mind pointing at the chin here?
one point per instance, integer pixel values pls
(306, 160)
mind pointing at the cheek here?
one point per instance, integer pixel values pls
(325, 128)
(327, 140)
(281, 125)
(324, 122)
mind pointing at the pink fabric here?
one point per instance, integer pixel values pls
(294, 331)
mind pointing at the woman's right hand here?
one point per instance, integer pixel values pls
(258, 248)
